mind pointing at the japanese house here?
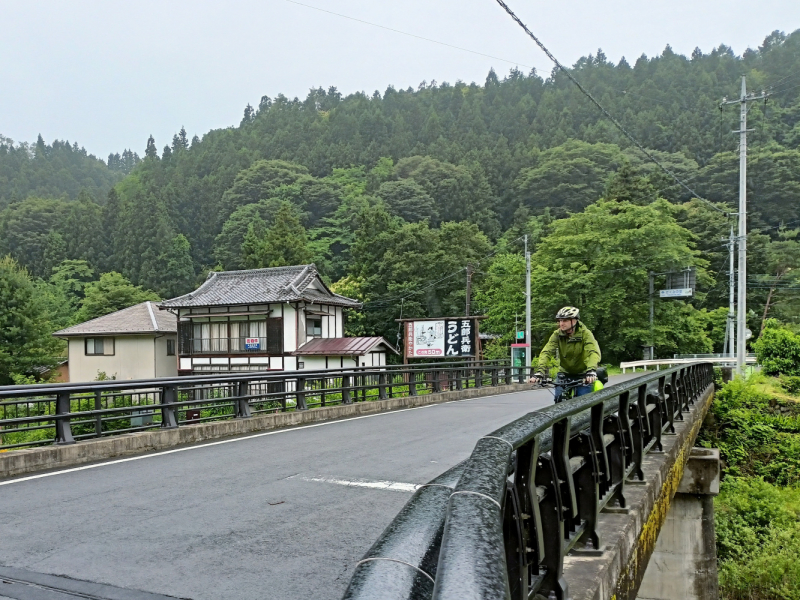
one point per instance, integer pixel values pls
(138, 342)
(282, 318)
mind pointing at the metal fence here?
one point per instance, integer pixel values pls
(64, 413)
(500, 524)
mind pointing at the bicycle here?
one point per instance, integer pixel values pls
(568, 384)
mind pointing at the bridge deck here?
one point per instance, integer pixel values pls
(261, 517)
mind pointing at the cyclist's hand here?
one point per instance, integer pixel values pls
(536, 378)
(590, 377)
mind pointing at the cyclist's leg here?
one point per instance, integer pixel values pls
(583, 390)
(558, 395)
(559, 389)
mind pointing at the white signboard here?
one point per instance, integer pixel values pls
(428, 338)
(679, 293)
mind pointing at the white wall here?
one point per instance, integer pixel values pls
(133, 358)
(289, 329)
(166, 366)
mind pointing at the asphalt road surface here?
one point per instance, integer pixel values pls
(273, 516)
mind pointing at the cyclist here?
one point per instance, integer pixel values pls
(577, 350)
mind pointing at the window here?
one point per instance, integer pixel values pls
(314, 327)
(100, 346)
(170, 347)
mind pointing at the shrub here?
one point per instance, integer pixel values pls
(778, 350)
(758, 535)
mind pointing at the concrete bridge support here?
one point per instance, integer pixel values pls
(684, 561)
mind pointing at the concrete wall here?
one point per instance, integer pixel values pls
(684, 561)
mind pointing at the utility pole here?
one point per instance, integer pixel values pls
(469, 287)
(731, 300)
(652, 332)
(527, 308)
(741, 305)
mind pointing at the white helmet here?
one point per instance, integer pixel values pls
(568, 312)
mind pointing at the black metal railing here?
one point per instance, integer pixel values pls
(500, 524)
(63, 413)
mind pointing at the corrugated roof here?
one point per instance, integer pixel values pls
(139, 318)
(354, 346)
(261, 286)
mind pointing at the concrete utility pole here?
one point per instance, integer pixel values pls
(741, 307)
(527, 308)
(731, 300)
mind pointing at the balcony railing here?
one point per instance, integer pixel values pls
(233, 345)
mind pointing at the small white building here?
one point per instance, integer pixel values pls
(277, 319)
(138, 342)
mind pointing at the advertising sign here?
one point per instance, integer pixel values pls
(444, 338)
(252, 343)
(676, 293)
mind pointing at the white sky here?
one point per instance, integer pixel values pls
(108, 74)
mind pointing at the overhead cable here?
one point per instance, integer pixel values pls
(419, 37)
(608, 115)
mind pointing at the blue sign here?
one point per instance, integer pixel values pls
(252, 343)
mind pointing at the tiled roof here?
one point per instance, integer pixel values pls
(139, 318)
(355, 346)
(261, 286)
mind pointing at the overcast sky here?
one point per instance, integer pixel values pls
(108, 74)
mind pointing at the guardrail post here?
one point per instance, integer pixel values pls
(346, 399)
(382, 386)
(243, 403)
(63, 427)
(169, 395)
(479, 376)
(495, 375)
(300, 393)
(98, 420)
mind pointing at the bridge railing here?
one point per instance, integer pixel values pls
(501, 523)
(64, 413)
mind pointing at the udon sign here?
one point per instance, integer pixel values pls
(441, 338)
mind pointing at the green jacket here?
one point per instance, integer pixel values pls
(576, 354)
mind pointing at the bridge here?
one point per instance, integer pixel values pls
(226, 502)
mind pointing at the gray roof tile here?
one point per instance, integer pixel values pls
(139, 318)
(260, 286)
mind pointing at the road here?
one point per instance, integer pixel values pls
(278, 515)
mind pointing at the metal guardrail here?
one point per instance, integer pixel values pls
(670, 362)
(34, 415)
(500, 524)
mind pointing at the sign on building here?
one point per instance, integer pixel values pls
(441, 338)
(252, 343)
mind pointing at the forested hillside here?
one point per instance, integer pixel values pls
(390, 192)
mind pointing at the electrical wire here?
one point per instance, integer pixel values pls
(600, 107)
(419, 37)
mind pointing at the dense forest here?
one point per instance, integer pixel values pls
(393, 194)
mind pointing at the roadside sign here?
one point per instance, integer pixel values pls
(520, 335)
(677, 293)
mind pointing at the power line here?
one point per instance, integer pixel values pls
(586, 93)
(419, 37)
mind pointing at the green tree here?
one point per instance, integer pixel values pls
(284, 243)
(177, 276)
(408, 200)
(501, 297)
(25, 340)
(599, 259)
(110, 293)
